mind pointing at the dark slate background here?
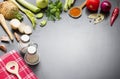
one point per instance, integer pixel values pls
(75, 48)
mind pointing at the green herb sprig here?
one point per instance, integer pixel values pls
(54, 10)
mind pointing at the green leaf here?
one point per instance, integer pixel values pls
(54, 10)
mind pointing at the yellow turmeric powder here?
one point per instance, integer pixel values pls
(75, 11)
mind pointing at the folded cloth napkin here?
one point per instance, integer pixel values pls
(24, 71)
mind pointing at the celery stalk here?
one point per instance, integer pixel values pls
(29, 6)
(66, 5)
(28, 13)
(69, 3)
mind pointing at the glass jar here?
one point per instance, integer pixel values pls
(31, 56)
(23, 44)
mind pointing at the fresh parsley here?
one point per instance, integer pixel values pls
(54, 10)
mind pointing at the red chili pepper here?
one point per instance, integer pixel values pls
(114, 15)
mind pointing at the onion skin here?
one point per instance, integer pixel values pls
(105, 6)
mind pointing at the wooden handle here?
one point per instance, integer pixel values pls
(3, 23)
(83, 4)
(18, 76)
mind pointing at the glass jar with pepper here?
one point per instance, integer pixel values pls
(31, 56)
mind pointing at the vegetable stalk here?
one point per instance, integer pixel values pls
(68, 4)
(28, 13)
(29, 6)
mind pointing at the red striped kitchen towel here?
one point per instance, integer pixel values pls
(24, 71)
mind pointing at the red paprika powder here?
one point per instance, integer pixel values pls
(75, 11)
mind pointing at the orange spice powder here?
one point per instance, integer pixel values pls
(75, 12)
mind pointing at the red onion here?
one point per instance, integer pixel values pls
(105, 6)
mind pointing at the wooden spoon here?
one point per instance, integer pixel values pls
(78, 9)
(12, 67)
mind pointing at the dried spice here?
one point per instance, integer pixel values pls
(97, 18)
(75, 11)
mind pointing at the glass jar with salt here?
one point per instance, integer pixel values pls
(31, 56)
(23, 44)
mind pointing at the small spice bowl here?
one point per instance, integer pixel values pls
(75, 12)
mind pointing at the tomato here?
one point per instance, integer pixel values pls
(92, 5)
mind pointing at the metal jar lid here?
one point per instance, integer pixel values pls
(25, 38)
(31, 50)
